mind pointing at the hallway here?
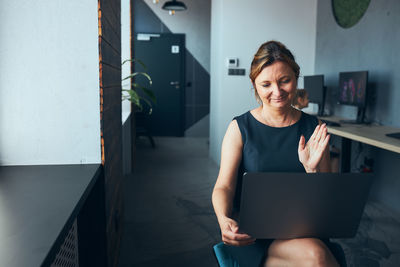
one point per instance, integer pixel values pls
(169, 220)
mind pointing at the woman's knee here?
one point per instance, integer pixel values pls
(317, 253)
(303, 252)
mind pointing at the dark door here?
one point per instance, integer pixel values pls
(163, 55)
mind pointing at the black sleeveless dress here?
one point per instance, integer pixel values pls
(270, 149)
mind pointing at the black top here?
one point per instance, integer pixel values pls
(271, 149)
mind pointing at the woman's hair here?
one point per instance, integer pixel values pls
(269, 53)
(301, 93)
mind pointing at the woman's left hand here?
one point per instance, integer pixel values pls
(310, 154)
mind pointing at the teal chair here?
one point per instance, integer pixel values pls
(253, 255)
(247, 256)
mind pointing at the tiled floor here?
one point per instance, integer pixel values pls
(169, 220)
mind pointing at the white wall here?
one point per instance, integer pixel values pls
(238, 28)
(49, 82)
(125, 54)
(194, 22)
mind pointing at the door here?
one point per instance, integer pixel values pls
(163, 55)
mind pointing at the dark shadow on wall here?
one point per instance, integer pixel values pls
(197, 89)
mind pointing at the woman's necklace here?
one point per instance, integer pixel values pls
(269, 122)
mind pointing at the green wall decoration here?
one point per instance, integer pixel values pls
(348, 12)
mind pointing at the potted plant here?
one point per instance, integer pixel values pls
(136, 92)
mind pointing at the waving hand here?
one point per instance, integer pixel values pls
(310, 154)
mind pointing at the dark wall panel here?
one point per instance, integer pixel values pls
(111, 58)
(197, 90)
(145, 20)
(110, 77)
(111, 128)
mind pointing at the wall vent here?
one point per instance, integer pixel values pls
(67, 256)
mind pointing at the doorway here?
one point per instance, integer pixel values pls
(164, 58)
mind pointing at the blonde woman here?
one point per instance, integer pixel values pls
(273, 137)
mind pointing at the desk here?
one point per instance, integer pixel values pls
(374, 135)
(38, 205)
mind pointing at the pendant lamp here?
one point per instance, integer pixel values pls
(173, 6)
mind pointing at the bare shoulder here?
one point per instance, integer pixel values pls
(231, 154)
(233, 135)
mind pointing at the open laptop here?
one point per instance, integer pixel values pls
(293, 205)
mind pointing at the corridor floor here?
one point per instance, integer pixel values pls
(169, 220)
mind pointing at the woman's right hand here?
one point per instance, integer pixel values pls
(311, 154)
(232, 236)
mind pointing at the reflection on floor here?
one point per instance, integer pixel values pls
(169, 220)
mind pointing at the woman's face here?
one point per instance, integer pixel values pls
(276, 85)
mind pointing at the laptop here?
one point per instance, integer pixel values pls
(294, 205)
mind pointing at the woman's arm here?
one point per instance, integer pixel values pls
(224, 189)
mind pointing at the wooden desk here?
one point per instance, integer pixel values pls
(38, 205)
(374, 135)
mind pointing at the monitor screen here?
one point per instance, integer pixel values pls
(353, 88)
(314, 85)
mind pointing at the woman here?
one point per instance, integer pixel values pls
(272, 138)
(301, 99)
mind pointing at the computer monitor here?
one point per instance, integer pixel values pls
(353, 91)
(314, 85)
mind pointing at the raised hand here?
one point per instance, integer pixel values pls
(310, 154)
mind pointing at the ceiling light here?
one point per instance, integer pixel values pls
(174, 5)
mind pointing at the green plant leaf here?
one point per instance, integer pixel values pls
(135, 60)
(131, 91)
(133, 97)
(136, 85)
(138, 73)
(150, 94)
(148, 103)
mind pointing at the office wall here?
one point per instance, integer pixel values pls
(49, 82)
(195, 24)
(372, 44)
(238, 28)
